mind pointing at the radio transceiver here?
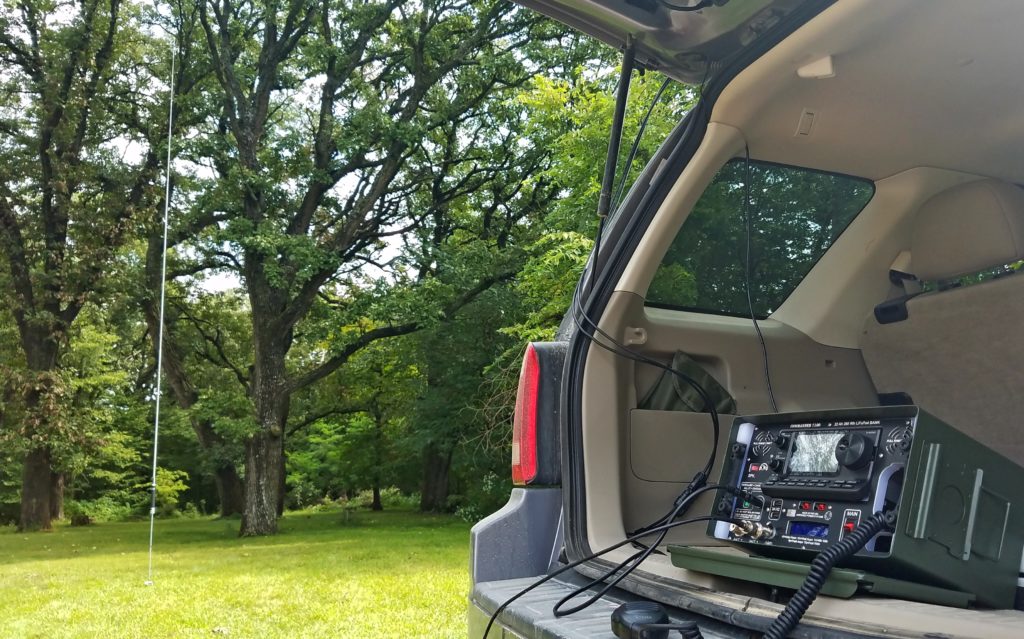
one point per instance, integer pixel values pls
(959, 505)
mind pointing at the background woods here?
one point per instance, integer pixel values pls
(374, 205)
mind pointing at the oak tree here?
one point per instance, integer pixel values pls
(69, 193)
(344, 126)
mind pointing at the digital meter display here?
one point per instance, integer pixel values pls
(808, 529)
(815, 453)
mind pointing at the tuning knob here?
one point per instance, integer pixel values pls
(776, 465)
(782, 441)
(854, 451)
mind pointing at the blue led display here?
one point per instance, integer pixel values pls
(808, 529)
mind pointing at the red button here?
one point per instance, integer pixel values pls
(821, 507)
(848, 526)
(805, 505)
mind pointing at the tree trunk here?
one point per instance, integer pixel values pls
(41, 354)
(57, 495)
(230, 490)
(35, 491)
(378, 452)
(270, 395)
(262, 484)
(264, 451)
(281, 487)
(436, 464)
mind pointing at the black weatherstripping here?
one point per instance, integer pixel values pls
(625, 231)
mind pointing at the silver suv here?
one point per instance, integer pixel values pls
(836, 224)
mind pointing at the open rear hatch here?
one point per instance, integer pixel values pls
(693, 41)
(687, 40)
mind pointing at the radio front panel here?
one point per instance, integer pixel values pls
(818, 479)
(959, 504)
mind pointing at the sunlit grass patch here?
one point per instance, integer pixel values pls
(391, 574)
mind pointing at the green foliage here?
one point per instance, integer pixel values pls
(169, 485)
(574, 117)
(547, 282)
(106, 508)
(391, 497)
(673, 283)
(483, 497)
(795, 213)
(390, 257)
(358, 442)
(974, 278)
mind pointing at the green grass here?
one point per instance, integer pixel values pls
(390, 574)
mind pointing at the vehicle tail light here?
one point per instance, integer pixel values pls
(524, 421)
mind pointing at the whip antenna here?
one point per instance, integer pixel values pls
(160, 330)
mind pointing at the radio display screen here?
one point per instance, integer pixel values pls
(808, 529)
(815, 453)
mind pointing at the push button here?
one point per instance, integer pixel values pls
(820, 507)
(805, 505)
(850, 520)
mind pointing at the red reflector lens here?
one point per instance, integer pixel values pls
(524, 421)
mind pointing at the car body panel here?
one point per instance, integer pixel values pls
(530, 617)
(686, 45)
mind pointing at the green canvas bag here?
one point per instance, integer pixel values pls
(672, 393)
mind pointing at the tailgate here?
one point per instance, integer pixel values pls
(530, 616)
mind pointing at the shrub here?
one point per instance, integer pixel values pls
(81, 520)
(482, 498)
(9, 513)
(390, 498)
(101, 509)
(191, 511)
(169, 484)
(302, 493)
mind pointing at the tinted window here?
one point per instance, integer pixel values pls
(975, 278)
(796, 214)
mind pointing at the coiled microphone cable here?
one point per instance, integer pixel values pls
(820, 569)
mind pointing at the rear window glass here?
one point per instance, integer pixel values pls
(795, 216)
(975, 278)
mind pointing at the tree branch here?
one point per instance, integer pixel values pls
(315, 417)
(216, 340)
(383, 332)
(17, 260)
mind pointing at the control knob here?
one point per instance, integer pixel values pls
(854, 451)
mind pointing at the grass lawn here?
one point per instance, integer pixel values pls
(390, 574)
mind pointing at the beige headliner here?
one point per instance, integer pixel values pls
(918, 83)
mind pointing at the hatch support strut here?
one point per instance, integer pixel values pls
(605, 201)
